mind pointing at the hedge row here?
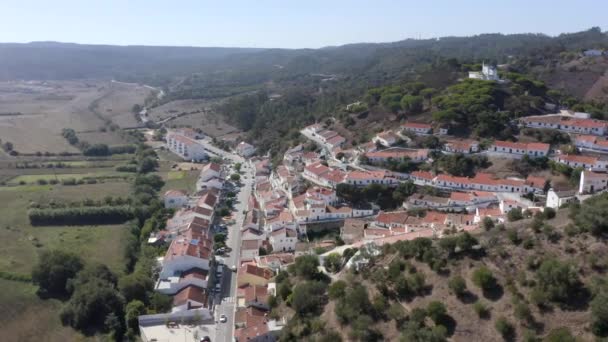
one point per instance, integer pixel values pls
(81, 216)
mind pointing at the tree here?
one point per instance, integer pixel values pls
(481, 309)
(436, 311)
(599, 314)
(308, 297)
(487, 223)
(134, 309)
(484, 279)
(337, 289)
(515, 214)
(558, 280)
(457, 285)
(235, 177)
(54, 269)
(411, 104)
(91, 304)
(147, 164)
(333, 262)
(305, 266)
(135, 286)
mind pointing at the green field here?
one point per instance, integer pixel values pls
(24, 316)
(180, 180)
(29, 179)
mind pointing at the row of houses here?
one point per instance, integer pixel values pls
(591, 142)
(457, 200)
(481, 182)
(594, 163)
(567, 123)
(330, 139)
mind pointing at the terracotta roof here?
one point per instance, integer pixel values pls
(174, 193)
(284, 232)
(256, 271)
(335, 140)
(327, 134)
(461, 144)
(453, 179)
(190, 293)
(399, 153)
(212, 166)
(317, 168)
(416, 125)
(255, 325)
(255, 293)
(188, 247)
(392, 217)
(434, 217)
(248, 245)
(586, 138)
(578, 159)
(492, 212)
(335, 176)
(537, 182)
(423, 174)
(461, 196)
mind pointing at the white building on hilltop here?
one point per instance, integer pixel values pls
(488, 73)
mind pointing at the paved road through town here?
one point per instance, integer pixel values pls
(225, 331)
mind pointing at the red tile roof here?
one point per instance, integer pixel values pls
(256, 271)
(317, 168)
(190, 293)
(416, 125)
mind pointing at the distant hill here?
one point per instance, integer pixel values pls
(159, 64)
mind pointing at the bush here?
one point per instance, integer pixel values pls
(515, 215)
(458, 285)
(436, 311)
(54, 269)
(42, 182)
(481, 309)
(504, 328)
(599, 314)
(337, 289)
(484, 279)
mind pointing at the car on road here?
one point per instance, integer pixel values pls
(233, 268)
(223, 319)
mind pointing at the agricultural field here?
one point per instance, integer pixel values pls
(117, 103)
(33, 113)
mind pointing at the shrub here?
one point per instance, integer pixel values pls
(481, 309)
(54, 269)
(484, 279)
(599, 314)
(457, 285)
(560, 335)
(504, 328)
(515, 215)
(558, 280)
(436, 311)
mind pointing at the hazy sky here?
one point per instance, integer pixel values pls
(286, 23)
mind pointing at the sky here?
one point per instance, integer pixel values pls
(286, 23)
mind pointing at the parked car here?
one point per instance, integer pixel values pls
(223, 319)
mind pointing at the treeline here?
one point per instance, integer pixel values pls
(81, 216)
(95, 150)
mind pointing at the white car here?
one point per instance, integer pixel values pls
(223, 319)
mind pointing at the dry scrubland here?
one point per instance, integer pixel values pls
(192, 113)
(32, 114)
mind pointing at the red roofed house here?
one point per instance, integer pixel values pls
(251, 274)
(190, 297)
(567, 124)
(493, 213)
(172, 285)
(520, 149)
(175, 199)
(314, 171)
(283, 239)
(535, 184)
(335, 141)
(586, 162)
(185, 254)
(363, 178)
(253, 295)
(461, 146)
(398, 154)
(209, 171)
(591, 142)
(422, 177)
(417, 128)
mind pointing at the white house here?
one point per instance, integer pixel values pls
(283, 239)
(488, 73)
(556, 199)
(461, 146)
(185, 147)
(417, 128)
(185, 254)
(591, 182)
(520, 149)
(244, 149)
(387, 138)
(586, 162)
(209, 171)
(175, 199)
(566, 123)
(213, 183)
(250, 248)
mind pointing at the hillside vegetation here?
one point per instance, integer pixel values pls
(539, 279)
